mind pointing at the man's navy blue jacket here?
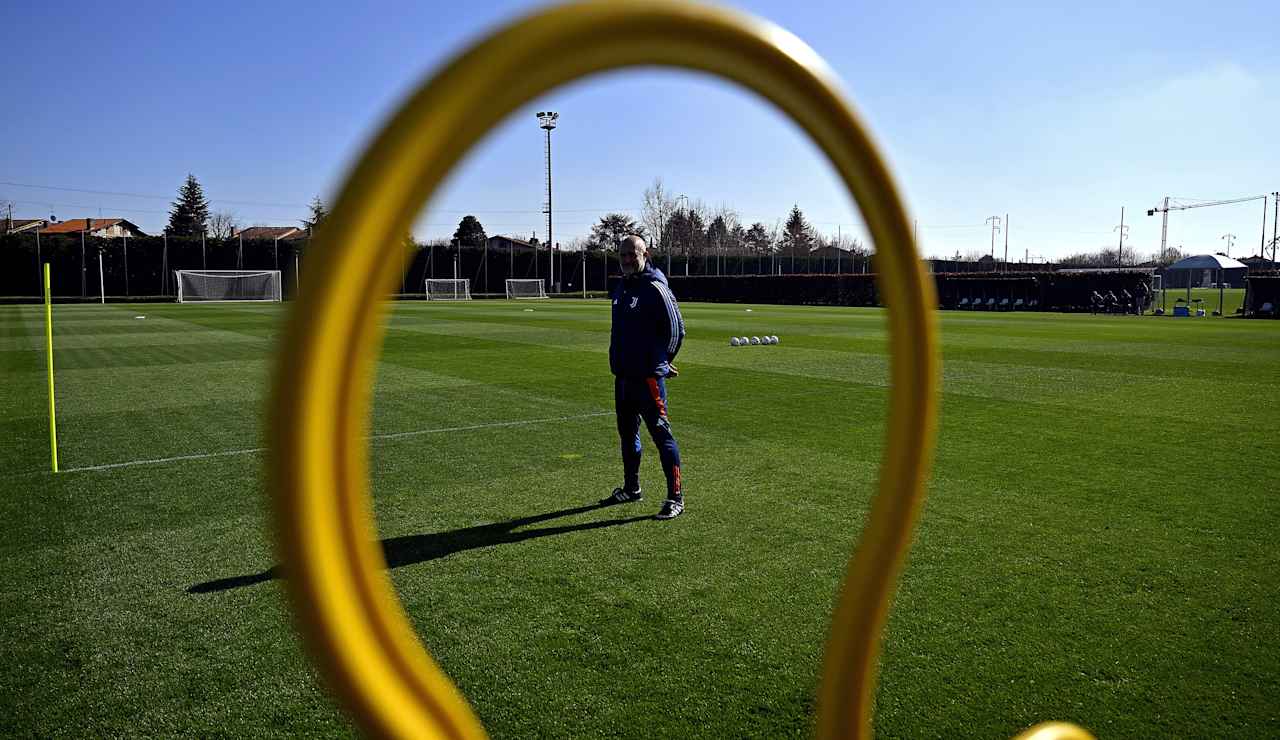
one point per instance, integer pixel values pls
(647, 327)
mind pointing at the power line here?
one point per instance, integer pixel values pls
(149, 197)
(84, 207)
(268, 204)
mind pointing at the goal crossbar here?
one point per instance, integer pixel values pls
(521, 288)
(228, 286)
(447, 289)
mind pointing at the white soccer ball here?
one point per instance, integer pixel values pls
(755, 340)
(733, 342)
(744, 341)
(773, 339)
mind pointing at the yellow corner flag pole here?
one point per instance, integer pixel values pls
(48, 340)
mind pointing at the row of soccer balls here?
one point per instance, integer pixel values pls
(744, 341)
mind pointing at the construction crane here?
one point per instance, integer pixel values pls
(1182, 204)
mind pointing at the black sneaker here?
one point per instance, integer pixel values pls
(671, 508)
(620, 496)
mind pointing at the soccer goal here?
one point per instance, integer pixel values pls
(214, 286)
(520, 288)
(448, 290)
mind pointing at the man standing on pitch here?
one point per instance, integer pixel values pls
(646, 335)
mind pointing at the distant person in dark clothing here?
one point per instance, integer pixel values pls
(1126, 301)
(646, 335)
(1095, 302)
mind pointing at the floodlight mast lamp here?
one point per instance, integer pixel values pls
(547, 121)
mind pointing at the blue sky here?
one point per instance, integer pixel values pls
(1056, 115)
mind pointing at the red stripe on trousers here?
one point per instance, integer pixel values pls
(657, 397)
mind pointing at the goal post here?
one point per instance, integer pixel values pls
(224, 286)
(525, 288)
(448, 289)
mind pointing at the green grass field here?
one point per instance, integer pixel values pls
(1096, 546)
(1232, 298)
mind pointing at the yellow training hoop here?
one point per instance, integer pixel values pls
(348, 612)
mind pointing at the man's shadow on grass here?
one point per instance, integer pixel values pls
(420, 548)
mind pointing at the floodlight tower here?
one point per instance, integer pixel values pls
(547, 122)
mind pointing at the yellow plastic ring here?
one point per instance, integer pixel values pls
(348, 611)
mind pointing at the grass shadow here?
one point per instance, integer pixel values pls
(421, 548)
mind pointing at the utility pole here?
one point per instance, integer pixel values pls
(1230, 240)
(684, 223)
(84, 268)
(995, 226)
(547, 121)
(1006, 242)
(1262, 246)
(1275, 223)
(1124, 231)
(164, 262)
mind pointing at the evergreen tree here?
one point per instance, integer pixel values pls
(757, 239)
(611, 229)
(317, 216)
(718, 234)
(470, 233)
(686, 233)
(797, 235)
(190, 213)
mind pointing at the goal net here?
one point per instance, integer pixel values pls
(211, 286)
(448, 290)
(521, 288)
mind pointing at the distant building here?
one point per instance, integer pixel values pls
(1258, 263)
(830, 253)
(103, 228)
(271, 232)
(19, 225)
(504, 243)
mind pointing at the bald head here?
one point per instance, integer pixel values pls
(632, 254)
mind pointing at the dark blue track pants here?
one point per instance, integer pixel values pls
(645, 398)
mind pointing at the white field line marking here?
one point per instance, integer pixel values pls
(373, 437)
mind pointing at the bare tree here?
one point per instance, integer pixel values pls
(655, 212)
(223, 225)
(729, 240)
(850, 244)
